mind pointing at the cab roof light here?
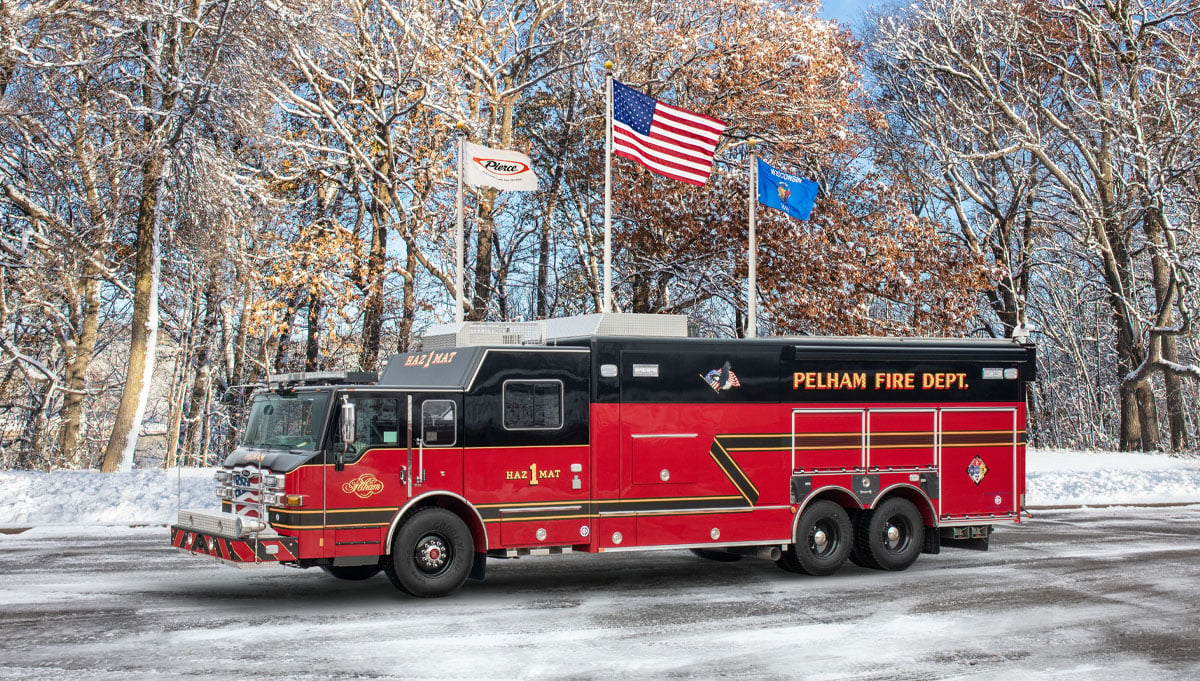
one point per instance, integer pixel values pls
(324, 378)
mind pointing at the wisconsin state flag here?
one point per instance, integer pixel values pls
(789, 193)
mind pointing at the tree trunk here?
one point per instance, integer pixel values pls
(481, 299)
(175, 420)
(29, 453)
(201, 384)
(236, 355)
(1147, 417)
(543, 272)
(88, 290)
(118, 455)
(312, 346)
(75, 381)
(179, 376)
(501, 294)
(1176, 409)
(1117, 268)
(408, 314)
(640, 300)
(205, 428)
(373, 304)
(235, 359)
(1164, 291)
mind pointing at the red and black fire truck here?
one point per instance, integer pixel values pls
(608, 433)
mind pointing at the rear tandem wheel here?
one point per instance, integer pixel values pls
(890, 537)
(823, 540)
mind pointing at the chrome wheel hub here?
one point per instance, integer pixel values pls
(820, 539)
(431, 554)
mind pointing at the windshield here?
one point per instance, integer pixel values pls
(287, 421)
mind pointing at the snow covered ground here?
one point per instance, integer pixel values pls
(87, 597)
(1055, 478)
(1069, 478)
(1104, 594)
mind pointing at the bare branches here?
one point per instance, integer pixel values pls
(1097, 98)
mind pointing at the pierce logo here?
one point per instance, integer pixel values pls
(499, 167)
(364, 486)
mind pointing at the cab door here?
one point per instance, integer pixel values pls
(366, 480)
(437, 449)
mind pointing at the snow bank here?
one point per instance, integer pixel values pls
(90, 497)
(1054, 478)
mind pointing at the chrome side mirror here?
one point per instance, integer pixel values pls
(349, 422)
(349, 428)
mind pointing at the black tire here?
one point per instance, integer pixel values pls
(352, 573)
(858, 555)
(719, 556)
(824, 537)
(432, 554)
(892, 536)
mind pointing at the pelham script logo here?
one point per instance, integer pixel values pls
(364, 486)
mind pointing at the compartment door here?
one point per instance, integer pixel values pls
(978, 449)
(828, 440)
(901, 439)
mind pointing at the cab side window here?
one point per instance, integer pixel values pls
(533, 405)
(439, 425)
(377, 424)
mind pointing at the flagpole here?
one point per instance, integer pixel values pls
(608, 117)
(752, 296)
(459, 249)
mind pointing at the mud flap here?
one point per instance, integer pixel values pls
(933, 541)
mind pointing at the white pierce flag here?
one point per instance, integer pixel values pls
(499, 168)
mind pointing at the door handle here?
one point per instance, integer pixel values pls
(420, 462)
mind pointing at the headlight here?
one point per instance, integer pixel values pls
(273, 481)
(221, 476)
(272, 499)
(224, 493)
(246, 525)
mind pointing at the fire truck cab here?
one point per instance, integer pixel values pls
(609, 433)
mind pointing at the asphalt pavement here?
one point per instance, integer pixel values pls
(1084, 594)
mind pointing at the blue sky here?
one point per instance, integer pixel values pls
(844, 11)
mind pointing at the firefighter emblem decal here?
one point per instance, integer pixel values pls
(364, 486)
(722, 379)
(976, 470)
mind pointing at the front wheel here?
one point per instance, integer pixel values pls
(823, 540)
(432, 554)
(892, 536)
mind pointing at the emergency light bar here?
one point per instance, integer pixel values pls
(324, 378)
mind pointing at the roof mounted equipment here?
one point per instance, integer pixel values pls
(323, 378)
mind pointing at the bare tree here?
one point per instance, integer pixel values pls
(1097, 95)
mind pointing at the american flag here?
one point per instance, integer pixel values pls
(668, 140)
